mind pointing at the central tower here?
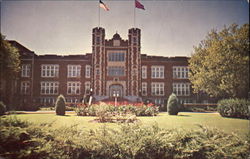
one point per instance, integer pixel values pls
(116, 65)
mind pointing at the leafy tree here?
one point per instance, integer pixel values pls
(9, 58)
(219, 66)
(172, 105)
(60, 105)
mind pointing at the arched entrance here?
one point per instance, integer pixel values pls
(116, 90)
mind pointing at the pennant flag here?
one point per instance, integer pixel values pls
(103, 6)
(139, 5)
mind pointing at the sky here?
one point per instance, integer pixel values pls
(168, 28)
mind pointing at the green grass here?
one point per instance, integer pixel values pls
(185, 121)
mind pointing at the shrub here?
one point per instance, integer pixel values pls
(130, 141)
(60, 105)
(2, 108)
(172, 105)
(235, 108)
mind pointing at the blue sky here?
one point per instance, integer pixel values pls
(168, 28)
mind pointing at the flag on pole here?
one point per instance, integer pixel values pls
(103, 6)
(139, 5)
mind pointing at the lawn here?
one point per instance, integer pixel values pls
(184, 120)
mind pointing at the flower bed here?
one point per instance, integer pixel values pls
(138, 109)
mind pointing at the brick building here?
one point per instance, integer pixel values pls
(115, 67)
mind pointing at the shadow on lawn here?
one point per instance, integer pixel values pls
(181, 115)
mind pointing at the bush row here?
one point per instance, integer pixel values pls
(22, 140)
(235, 108)
(93, 110)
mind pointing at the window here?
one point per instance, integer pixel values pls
(87, 71)
(157, 88)
(157, 71)
(116, 71)
(97, 40)
(25, 87)
(116, 57)
(74, 70)
(73, 88)
(49, 88)
(180, 72)
(144, 72)
(47, 101)
(159, 101)
(181, 89)
(134, 40)
(144, 88)
(50, 70)
(87, 87)
(25, 70)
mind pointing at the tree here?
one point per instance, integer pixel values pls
(9, 58)
(9, 68)
(219, 66)
(60, 105)
(172, 105)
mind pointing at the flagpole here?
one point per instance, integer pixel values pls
(99, 15)
(134, 14)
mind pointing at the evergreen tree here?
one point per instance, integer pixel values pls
(60, 105)
(172, 105)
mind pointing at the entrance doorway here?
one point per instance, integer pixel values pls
(116, 90)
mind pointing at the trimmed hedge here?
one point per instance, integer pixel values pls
(234, 108)
(60, 105)
(172, 105)
(2, 108)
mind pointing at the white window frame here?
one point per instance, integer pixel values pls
(157, 72)
(159, 101)
(87, 87)
(73, 88)
(157, 88)
(116, 71)
(25, 87)
(182, 89)
(73, 71)
(87, 71)
(49, 70)
(144, 89)
(180, 72)
(25, 72)
(144, 72)
(49, 88)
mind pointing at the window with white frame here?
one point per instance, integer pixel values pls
(74, 70)
(49, 88)
(87, 71)
(144, 72)
(158, 101)
(50, 70)
(47, 100)
(25, 87)
(157, 89)
(25, 72)
(157, 72)
(87, 87)
(73, 88)
(180, 72)
(116, 71)
(144, 88)
(181, 89)
(116, 56)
